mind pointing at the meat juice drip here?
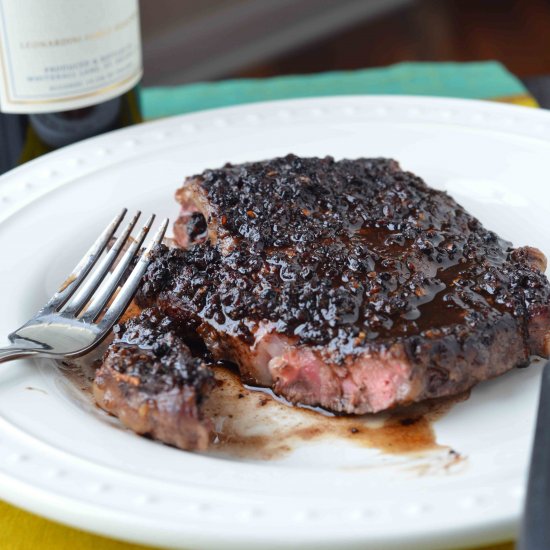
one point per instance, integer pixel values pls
(252, 423)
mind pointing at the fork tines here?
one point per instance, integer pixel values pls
(87, 291)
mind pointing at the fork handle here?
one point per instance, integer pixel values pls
(15, 352)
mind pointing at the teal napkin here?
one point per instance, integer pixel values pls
(483, 80)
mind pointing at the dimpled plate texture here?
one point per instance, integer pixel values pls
(64, 459)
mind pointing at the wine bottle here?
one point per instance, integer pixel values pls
(69, 70)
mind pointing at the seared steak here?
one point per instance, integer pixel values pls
(150, 380)
(351, 285)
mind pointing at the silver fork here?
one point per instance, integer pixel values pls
(69, 325)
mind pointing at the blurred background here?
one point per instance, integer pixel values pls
(190, 41)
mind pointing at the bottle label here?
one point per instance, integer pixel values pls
(59, 55)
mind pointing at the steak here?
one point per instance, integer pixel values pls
(349, 284)
(150, 380)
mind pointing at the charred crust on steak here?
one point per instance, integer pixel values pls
(377, 256)
(150, 380)
(157, 336)
(351, 262)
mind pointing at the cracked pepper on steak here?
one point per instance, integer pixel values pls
(150, 380)
(348, 284)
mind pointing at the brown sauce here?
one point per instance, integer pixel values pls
(254, 424)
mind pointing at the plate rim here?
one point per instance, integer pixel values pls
(533, 123)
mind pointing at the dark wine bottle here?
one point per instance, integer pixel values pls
(69, 70)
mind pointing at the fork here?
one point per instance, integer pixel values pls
(71, 323)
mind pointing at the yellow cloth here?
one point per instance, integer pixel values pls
(522, 99)
(20, 530)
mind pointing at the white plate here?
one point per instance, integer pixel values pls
(60, 460)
